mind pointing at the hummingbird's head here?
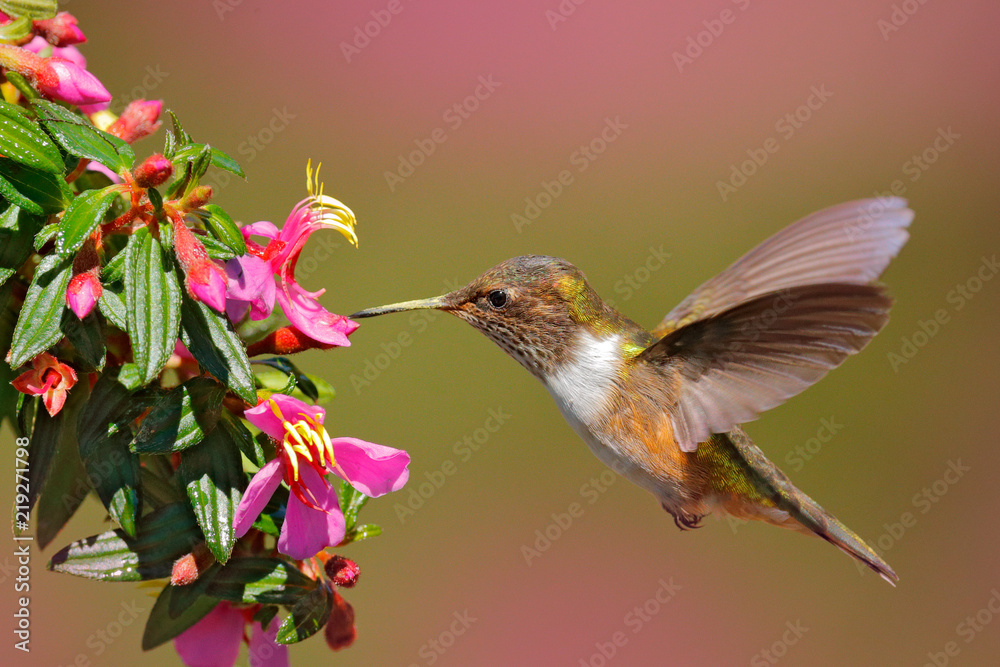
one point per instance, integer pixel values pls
(530, 306)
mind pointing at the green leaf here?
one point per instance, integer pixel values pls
(161, 627)
(33, 9)
(23, 141)
(308, 616)
(45, 235)
(351, 502)
(362, 532)
(191, 152)
(210, 338)
(222, 227)
(35, 191)
(305, 386)
(15, 244)
(112, 306)
(67, 484)
(152, 303)
(263, 580)
(212, 472)
(181, 417)
(104, 436)
(38, 325)
(84, 214)
(163, 536)
(113, 270)
(87, 338)
(217, 249)
(185, 595)
(244, 439)
(79, 137)
(16, 31)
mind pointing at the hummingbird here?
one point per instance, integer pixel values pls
(664, 408)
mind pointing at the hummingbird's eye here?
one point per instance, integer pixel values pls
(497, 298)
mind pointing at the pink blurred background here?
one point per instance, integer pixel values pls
(270, 83)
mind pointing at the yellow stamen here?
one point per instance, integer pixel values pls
(292, 460)
(330, 212)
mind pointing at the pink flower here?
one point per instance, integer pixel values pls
(48, 378)
(83, 292)
(60, 30)
(205, 280)
(60, 78)
(140, 119)
(313, 520)
(279, 258)
(214, 641)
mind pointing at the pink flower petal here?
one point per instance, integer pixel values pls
(264, 651)
(312, 319)
(263, 228)
(292, 410)
(306, 530)
(374, 470)
(97, 166)
(214, 641)
(208, 283)
(74, 84)
(258, 492)
(251, 284)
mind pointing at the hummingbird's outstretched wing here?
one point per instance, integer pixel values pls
(730, 367)
(849, 243)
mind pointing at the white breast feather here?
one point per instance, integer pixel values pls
(584, 386)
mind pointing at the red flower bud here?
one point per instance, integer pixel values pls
(206, 281)
(155, 170)
(137, 121)
(197, 198)
(342, 571)
(83, 292)
(340, 631)
(61, 30)
(284, 341)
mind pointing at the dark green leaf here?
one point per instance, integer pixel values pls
(114, 269)
(84, 214)
(87, 338)
(112, 306)
(213, 475)
(263, 580)
(308, 616)
(67, 483)
(38, 325)
(191, 152)
(162, 627)
(45, 235)
(79, 137)
(222, 227)
(216, 249)
(210, 338)
(181, 417)
(152, 302)
(163, 536)
(35, 191)
(104, 436)
(32, 9)
(15, 244)
(23, 141)
(303, 385)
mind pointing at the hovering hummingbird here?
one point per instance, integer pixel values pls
(664, 408)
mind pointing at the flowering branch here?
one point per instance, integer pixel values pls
(124, 295)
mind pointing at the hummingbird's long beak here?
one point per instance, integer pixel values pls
(439, 302)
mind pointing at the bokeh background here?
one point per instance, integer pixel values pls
(450, 583)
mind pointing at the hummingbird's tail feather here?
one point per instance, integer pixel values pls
(765, 493)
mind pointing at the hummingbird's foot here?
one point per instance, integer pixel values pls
(686, 521)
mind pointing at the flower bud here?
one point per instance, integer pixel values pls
(140, 119)
(340, 631)
(155, 170)
(60, 30)
(285, 341)
(206, 280)
(342, 571)
(198, 197)
(83, 292)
